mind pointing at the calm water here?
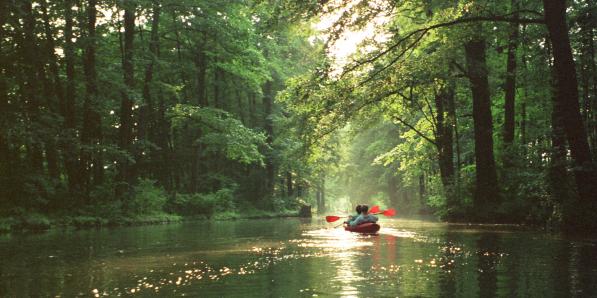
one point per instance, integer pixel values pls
(297, 258)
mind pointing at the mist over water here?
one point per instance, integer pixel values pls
(298, 258)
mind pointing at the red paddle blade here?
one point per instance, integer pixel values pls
(374, 209)
(389, 212)
(331, 218)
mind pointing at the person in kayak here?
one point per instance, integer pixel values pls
(364, 217)
(353, 217)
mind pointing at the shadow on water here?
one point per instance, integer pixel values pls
(290, 257)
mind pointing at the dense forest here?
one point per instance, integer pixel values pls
(468, 110)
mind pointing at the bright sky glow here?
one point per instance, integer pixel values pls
(349, 41)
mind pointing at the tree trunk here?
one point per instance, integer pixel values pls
(201, 66)
(32, 101)
(51, 58)
(217, 86)
(92, 166)
(146, 111)
(444, 137)
(453, 122)
(567, 99)
(69, 57)
(51, 99)
(318, 199)
(70, 152)
(587, 24)
(268, 96)
(5, 160)
(126, 175)
(201, 69)
(422, 191)
(323, 205)
(195, 164)
(557, 173)
(486, 196)
(289, 188)
(523, 116)
(164, 151)
(510, 87)
(183, 76)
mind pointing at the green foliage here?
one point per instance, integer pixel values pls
(207, 137)
(203, 204)
(35, 221)
(221, 132)
(7, 224)
(147, 199)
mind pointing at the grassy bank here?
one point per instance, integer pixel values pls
(40, 222)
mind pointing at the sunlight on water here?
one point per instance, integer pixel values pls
(336, 239)
(397, 233)
(280, 258)
(341, 247)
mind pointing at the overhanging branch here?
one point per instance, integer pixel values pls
(422, 135)
(423, 31)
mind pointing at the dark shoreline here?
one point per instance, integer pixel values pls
(43, 223)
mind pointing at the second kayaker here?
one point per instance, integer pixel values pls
(353, 217)
(364, 217)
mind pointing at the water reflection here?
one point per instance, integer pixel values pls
(487, 261)
(282, 258)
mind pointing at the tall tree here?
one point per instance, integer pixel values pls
(126, 173)
(486, 195)
(92, 165)
(4, 142)
(444, 137)
(510, 85)
(52, 91)
(201, 66)
(147, 108)
(268, 100)
(69, 109)
(28, 89)
(567, 98)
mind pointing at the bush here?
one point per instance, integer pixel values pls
(224, 200)
(147, 198)
(7, 224)
(193, 204)
(36, 221)
(203, 204)
(88, 221)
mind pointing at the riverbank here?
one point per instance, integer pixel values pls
(40, 222)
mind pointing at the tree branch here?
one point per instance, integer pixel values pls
(423, 31)
(408, 48)
(433, 117)
(422, 135)
(461, 69)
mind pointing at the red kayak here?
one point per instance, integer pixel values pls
(368, 227)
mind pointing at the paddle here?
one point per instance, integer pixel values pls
(374, 209)
(389, 212)
(332, 218)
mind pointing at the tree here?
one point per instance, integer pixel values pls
(569, 110)
(126, 172)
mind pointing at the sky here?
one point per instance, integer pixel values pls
(348, 42)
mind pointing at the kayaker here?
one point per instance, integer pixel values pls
(364, 217)
(351, 217)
